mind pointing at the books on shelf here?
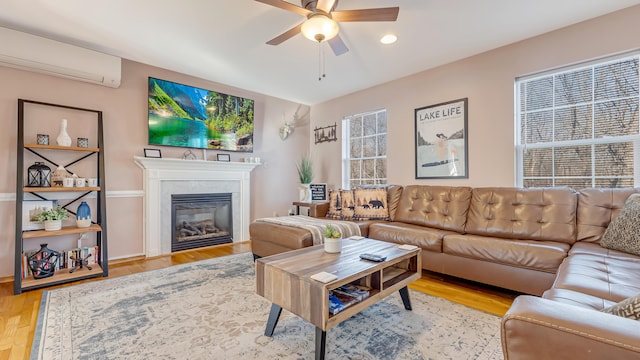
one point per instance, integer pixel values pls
(345, 296)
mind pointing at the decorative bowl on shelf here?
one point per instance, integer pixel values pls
(43, 262)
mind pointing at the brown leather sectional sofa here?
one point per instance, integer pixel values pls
(543, 242)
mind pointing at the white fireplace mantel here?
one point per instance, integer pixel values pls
(162, 177)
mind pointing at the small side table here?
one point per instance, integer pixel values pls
(310, 205)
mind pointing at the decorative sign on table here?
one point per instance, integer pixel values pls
(318, 192)
(441, 140)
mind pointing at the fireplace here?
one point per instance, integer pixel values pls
(199, 220)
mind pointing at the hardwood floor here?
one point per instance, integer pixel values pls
(19, 313)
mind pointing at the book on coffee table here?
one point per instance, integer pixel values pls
(339, 301)
(359, 292)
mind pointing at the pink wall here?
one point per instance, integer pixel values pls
(125, 132)
(488, 81)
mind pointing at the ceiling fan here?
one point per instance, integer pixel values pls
(322, 20)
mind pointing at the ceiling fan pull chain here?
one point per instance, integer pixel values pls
(324, 61)
(321, 62)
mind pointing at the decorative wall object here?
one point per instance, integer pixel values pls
(225, 157)
(325, 134)
(63, 138)
(441, 140)
(285, 130)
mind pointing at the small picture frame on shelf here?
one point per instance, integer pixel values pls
(30, 209)
(223, 157)
(152, 153)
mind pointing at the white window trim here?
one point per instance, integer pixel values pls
(346, 149)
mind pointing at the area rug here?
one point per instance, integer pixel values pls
(209, 310)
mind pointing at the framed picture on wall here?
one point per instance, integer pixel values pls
(441, 140)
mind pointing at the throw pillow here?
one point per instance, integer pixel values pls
(629, 308)
(348, 205)
(622, 232)
(335, 204)
(371, 204)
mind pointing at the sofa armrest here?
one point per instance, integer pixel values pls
(319, 210)
(537, 328)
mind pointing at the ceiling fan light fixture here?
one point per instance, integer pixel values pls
(319, 28)
(388, 39)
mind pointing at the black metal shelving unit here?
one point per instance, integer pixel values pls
(98, 226)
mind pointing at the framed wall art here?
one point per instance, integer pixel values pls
(441, 140)
(32, 208)
(152, 153)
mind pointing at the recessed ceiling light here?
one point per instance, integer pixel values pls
(388, 39)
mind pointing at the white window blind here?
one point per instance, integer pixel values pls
(579, 126)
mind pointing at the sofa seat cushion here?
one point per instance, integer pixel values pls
(610, 278)
(538, 255)
(577, 299)
(401, 233)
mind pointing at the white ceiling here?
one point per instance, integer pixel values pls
(224, 40)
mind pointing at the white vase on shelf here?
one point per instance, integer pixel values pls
(305, 193)
(63, 138)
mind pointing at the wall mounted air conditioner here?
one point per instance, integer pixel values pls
(33, 53)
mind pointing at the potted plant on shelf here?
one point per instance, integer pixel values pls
(53, 218)
(332, 239)
(305, 172)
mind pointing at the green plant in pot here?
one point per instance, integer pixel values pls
(53, 218)
(332, 239)
(305, 170)
(305, 173)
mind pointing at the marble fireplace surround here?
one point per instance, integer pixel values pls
(163, 177)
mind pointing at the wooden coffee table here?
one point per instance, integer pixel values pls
(284, 279)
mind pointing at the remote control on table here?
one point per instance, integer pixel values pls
(373, 257)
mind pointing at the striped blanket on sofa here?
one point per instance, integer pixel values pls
(315, 226)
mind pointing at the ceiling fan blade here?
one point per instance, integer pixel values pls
(379, 14)
(286, 35)
(325, 5)
(286, 6)
(338, 46)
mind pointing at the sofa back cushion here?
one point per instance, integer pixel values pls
(596, 209)
(526, 214)
(441, 207)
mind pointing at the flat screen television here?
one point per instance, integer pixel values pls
(187, 116)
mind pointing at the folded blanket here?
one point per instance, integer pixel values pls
(315, 226)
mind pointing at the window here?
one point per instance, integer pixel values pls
(578, 126)
(364, 149)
